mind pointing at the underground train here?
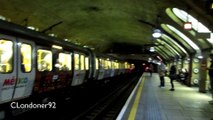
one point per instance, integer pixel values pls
(32, 62)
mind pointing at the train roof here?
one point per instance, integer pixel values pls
(23, 32)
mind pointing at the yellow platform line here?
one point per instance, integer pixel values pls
(136, 102)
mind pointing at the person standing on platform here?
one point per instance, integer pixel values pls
(161, 71)
(172, 76)
(211, 76)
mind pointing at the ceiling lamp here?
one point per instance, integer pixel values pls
(52, 34)
(200, 57)
(32, 28)
(2, 17)
(66, 39)
(152, 49)
(187, 25)
(156, 33)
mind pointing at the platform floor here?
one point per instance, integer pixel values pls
(150, 102)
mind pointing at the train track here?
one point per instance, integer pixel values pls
(103, 102)
(108, 107)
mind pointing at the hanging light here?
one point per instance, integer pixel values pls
(66, 39)
(156, 33)
(2, 18)
(152, 49)
(199, 56)
(187, 25)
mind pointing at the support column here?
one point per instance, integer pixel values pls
(203, 73)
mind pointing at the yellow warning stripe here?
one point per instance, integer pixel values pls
(136, 102)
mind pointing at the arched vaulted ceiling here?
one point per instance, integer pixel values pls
(121, 27)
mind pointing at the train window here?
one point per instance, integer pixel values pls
(116, 65)
(82, 62)
(121, 65)
(96, 64)
(109, 63)
(76, 61)
(87, 63)
(44, 60)
(129, 65)
(26, 57)
(101, 63)
(106, 64)
(113, 65)
(64, 62)
(126, 65)
(6, 56)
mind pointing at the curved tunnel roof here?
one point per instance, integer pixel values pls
(120, 28)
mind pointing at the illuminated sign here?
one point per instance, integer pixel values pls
(187, 25)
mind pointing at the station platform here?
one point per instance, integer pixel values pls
(150, 102)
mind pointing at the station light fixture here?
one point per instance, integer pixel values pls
(187, 25)
(85, 46)
(2, 18)
(92, 48)
(156, 33)
(33, 28)
(57, 47)
(200, 57)
(66, 39)
(152, 49)
(52, 34)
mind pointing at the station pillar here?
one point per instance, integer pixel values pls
(203, 75)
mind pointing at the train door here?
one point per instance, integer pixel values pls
(107, 67)
(113, 69)
(44, 80)
(87, 66)
(116, 68)
(96, 69)
(25, 69)
(79, 69)
(7, 67)
(101, 69)
(63, 69)
(15, 83)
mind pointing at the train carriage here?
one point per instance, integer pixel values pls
(35, 65)
(105, 66)
(34, 62)
(53, 69)
(16, 72)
